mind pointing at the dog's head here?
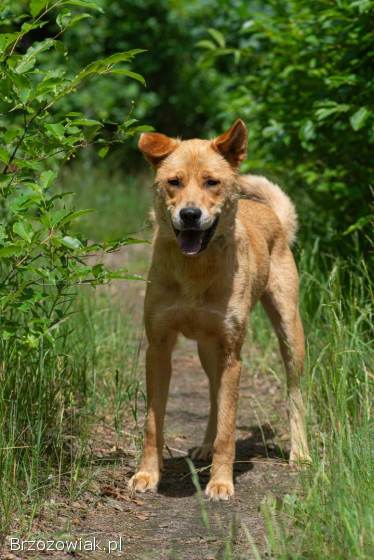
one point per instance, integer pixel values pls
(195, 180)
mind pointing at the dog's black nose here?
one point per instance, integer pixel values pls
(190, 216)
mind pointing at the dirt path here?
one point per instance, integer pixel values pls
(178, 522)
(175, 528)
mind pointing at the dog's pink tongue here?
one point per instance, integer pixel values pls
(190, 241)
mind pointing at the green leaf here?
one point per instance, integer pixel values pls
(83, 4)
(40, 46)
(337, 80)
(73, 130)
(105, 65)
(4, 156)
(129, 122)
(74, 215)
(25, 64)
(52, 219)
(359, 118)
(218, 37)
(307, 131)
(2, 233)
(122, 274)
(67, 20)
(97, 269)
(24, 230)
(24, 201)
(329, 108)
(12, 133)
(87, 122)
(362, 5)
(56, 129)
(10, 250)
(7, 39)
(22, 87)
(205, 44)
(33, 164)
(33, 186)
(29, 26)
(143, 128)
(360, 224)
(130, 74)
(71, 242)
(28, 60)
(46, 178)
(103, 151)
(36, 6)
(53, 82)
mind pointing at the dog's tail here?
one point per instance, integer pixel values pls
(261, 189)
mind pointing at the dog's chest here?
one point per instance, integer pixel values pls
(198, 320)
(210, 312)
(201, 298)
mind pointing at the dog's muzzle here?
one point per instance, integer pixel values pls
(193, 241)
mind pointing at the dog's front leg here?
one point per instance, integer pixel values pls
(158, 372)
(221, 485)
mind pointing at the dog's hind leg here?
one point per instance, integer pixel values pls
(208, 354)
(280, 302)
(158, 373)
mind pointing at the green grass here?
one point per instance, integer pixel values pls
(109, 343)
(332, 516)
(47, 409)
(40, 419)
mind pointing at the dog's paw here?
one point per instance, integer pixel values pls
(202, 453)
(143, 481)
(219, 490)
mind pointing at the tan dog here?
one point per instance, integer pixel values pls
(215, 255)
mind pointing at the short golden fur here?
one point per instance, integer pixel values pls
(203, 281)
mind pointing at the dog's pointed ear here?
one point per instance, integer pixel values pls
(232, 145)
(156, 146)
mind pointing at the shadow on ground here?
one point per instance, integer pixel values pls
(177, 481)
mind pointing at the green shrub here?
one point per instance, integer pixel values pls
(300, 74)
(42, 260)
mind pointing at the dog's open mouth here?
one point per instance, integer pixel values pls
(193, 241)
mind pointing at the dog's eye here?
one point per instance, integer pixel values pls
(174, 182)
(212, 182)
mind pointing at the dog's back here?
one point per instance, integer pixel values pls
(260, 189)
